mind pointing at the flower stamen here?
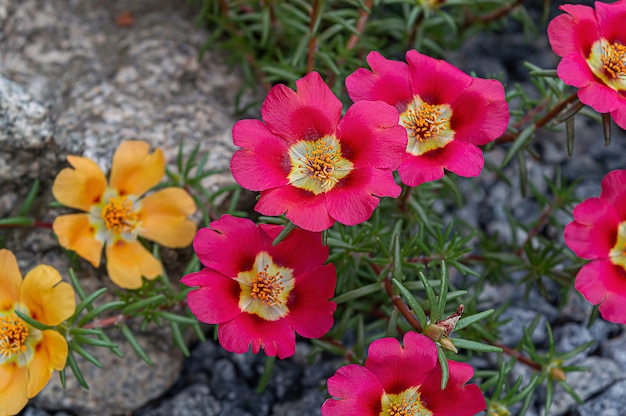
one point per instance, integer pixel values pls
(119, 215)
(267, 288)
(613, 59)
(407, 403)
(13, 334)
(319, 162)
(425, 122)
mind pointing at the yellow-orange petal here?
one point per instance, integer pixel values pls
(48, 298)
(80, 187)
(10, 280)
(76, 233)
(135, 170)
(164, 217)
(13, 388)
(50, 354)
(127, 262)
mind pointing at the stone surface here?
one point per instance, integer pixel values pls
(123, 384)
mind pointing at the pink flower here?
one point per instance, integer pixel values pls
(446, 113)
(592, 44)
(402, 381)
(260, 294)
(312, 165)
(598, 233)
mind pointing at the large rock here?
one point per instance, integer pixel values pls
(72, 81)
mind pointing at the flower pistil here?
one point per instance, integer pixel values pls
(119, 215)
(266, 287)
(13, 334)
(317, 166)
(614, 59)
(406, 403)
(427, 126)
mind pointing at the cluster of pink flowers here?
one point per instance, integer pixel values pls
(316, 167)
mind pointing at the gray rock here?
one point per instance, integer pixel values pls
(608, 403)
(307, 405)
(512, 331)
(602, 373)
(195, 400)
(614, 349)
(122, 385)
(571, 336)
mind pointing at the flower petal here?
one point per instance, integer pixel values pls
(600, 97)
(481, 114)
(574, 70)
(574, 32)
(164, 217)
(81, 186)
(275, 337)
(355, 391)
(611, 18)
(612, 308)
(128, 261)
(399, 368)
(310, 311)
(263, 163)
(614, 191)
(309, 113)
(593, 232)
(388, 81)
(457, 399)
(416, 170)
(462, 158)
(50, 355)
(217, 298)
(135, 170)
(370, 135)
(75, 233)
(13, 388)
(435, 81)
(230, 246)
(303, 208)
(49, 299)
(599, 278)
(290, 252)
(619, 114)
(10, 280)
(355, 198)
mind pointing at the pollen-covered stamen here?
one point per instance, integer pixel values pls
(320, 161)
(407, 403)
(424, 122)
(613, 60)
(119, 215)
(13, 334)
(267, 288)
(318, 165)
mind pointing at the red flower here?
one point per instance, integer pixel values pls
(592, 44)
(598, 233)
(312, 165)
(402, 381)
(258, 293)
(446, 113)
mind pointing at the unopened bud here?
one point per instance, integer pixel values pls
(557, 374)
(434, 332)
(446, 343)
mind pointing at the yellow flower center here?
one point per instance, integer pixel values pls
(407, 403)
(267, 288)
(427, 126)
(119, 215)
(318, 165)
(618, 252)
(607, 61)
(614, 59)
(13, 334)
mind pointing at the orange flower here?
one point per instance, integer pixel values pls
(115, 214)
(27, 355)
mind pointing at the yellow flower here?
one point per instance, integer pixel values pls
(115, 214)
(27, 355)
